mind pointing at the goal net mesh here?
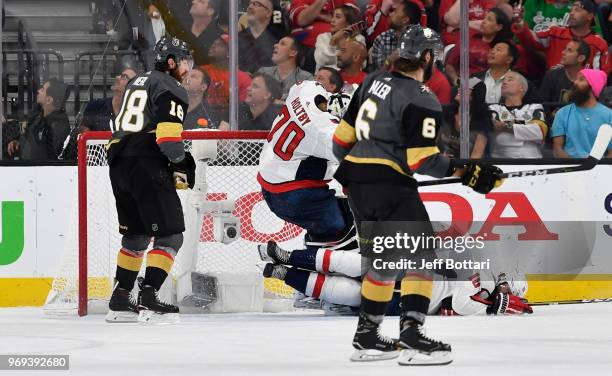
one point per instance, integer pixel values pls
(231, 175)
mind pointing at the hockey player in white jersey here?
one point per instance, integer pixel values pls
(334, 278)
(297, 164)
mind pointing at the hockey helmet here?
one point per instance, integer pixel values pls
(171, 47)
(416, 40)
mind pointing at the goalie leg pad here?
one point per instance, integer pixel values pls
(344, 262)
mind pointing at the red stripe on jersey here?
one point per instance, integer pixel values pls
(291, 185)
(316, 291)
(169, 139)
(326, 260)
(161, 253)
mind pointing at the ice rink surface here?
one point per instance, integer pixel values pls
(556, 340)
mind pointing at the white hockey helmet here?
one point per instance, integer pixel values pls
(311, 94)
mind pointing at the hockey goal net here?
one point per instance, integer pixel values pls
(85, 279)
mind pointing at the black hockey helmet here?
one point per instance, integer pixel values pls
(416, 40)
(171, 47)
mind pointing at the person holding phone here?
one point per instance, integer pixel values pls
(345, 23)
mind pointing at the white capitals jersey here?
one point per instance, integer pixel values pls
(299, 153)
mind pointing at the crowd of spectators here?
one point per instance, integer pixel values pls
(539, 69)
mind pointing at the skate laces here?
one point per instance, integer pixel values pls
(383, 338)
(423, 334)
(281, 254)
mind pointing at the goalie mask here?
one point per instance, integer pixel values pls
(338, 103)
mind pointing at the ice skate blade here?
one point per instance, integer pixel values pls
(118, 317)
(372, 355)
(153, 318)
(411, 357)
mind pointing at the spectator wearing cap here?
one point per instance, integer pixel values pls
(519, 129)
(558, 81)
(309, 18)
(204, 28)
(404, 14)
(344, 25)
(199, 114)
(47, 126)
(219, 91)
(285, 56)
(330, 78)
(351, 58)
(576, 125)
(501, 59)
(261, 109)
(553, 41)
(257, 41)
(378, 12)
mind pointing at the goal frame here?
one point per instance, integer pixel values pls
(82, 192)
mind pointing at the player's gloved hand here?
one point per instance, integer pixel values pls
(183, 172)
(507, 304)
(482, 177)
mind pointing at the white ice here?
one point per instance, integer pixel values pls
(555, 340)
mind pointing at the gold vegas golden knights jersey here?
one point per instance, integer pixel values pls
(389, 132)
(149, 123)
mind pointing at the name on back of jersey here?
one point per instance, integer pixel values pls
(379, 89)
(300, 112)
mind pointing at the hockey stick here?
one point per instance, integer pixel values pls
(604, 135)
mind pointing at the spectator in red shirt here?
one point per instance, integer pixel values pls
(553, 41)
(377, 16)
(309, 18)
(440, 86)
(218, 92)
(351, 58)
(495, 27)
(450, 17)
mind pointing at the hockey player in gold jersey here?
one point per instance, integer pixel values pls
(387, 134)
(147, 164)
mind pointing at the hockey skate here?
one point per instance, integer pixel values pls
(271, 252)
(122, 307)
(275, 271)
(153, 311)
(370, 345)
(418, 350)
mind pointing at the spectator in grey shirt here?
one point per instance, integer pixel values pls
(285, 56)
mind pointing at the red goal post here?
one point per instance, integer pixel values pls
(233, 140)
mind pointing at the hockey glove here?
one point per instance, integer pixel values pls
(507, 304)
(482, 177)
(183, 172)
